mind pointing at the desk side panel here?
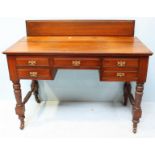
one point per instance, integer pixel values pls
(143, 69)
(12, 68)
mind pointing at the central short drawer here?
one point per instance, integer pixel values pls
(32, 73)
(71, 62)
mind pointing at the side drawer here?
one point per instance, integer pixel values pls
(121, 62)
(32, 73)
(119, 76)
(32, 61)
(71, 62)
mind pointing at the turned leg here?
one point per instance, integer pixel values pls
(36, 92)
(20, 107)
(126, 94)
(137, 111)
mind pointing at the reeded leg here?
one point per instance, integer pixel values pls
(137, 111)
(126, 95)
(20, 107)
(36, 92)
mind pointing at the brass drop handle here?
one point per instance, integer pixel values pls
(120, 74)
(32, 62)
(76, 63)
(33, 74)
(121, 63)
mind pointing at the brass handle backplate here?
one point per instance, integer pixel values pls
(76, 63)
(32, 62)
(33, 74)
(121, 63)
(120, 74)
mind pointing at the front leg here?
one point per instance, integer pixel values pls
(137, 111)
(20, 107)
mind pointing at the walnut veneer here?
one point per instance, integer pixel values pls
(105, 45)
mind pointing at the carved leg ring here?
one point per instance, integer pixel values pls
(20, 107)
(137, 111)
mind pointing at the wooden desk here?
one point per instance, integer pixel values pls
(106, 45)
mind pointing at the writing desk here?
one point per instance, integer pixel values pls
(108, 46)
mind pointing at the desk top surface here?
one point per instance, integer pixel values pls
(92, 45)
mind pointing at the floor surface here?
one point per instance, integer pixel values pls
(76, 119)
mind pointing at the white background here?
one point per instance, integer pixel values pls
(18, 10)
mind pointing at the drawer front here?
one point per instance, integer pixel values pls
(32, 61)
(119, 76)
(76, 62)
(125, 69)
(121, 62)
(32, 73)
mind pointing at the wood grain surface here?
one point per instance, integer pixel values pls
(80, 27)
(79, 45)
